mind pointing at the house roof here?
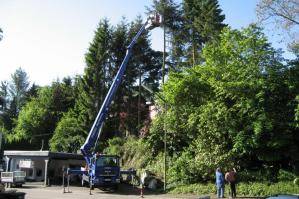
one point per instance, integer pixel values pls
(45, 154)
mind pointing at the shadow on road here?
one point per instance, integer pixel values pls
(126, 189)
(123, 189)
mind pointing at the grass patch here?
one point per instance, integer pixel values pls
(257, 189)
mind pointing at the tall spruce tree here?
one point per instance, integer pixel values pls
(188, 26)
(93, 85)
(203, 22)
(172, 23)
(4, 94)
(13, 96)
(17, 90)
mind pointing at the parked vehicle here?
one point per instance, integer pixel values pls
(15, 178)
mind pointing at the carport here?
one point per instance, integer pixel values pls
(43, 166)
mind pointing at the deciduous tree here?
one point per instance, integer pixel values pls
(285, 15)
(239, 109)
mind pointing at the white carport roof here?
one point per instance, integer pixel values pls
(49, 154)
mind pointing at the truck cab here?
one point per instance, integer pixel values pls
(104, 171)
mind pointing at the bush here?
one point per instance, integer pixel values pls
(156, 165)
(243, 189)
(134, 152)
(199, 189)
(261, 175)
(266, 189)
(115, 146)
(285, 175)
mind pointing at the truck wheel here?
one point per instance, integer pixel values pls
(18, 185)
(115, 187)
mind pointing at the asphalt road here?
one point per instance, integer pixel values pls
(124, 192)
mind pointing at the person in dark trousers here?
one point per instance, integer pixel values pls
(231, 178)
(219, 183)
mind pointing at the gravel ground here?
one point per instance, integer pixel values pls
(124, 192)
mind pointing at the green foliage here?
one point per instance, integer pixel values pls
(136, 153)
(257, 175)
(17, 90)
(297, 112)
(184, 169)
(239, 110)
(285, 175)
(66, 137)
(92, 88)
(203, 22)
(172, 23)
(243, 189)
(103, 58)
(266, 189)
(156, 165)
(198, 189)
(189, 25)
(38, 118)
(115, 146)
(13, 95)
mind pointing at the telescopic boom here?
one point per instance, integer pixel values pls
(95, 131)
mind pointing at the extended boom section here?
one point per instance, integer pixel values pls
(95, 131)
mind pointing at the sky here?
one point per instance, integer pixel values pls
(48, 38)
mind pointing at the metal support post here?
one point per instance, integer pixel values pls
(90, 187)
(63, 175)
(68, 183)
(46, 172)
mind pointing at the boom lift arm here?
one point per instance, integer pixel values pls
(95, 131)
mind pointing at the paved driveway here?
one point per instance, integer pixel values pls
(124, 192)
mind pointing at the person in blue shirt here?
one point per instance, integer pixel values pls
(219, 183)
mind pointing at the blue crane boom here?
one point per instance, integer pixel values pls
(95, 131)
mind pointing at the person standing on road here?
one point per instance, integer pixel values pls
(230, 177)
(219, 183)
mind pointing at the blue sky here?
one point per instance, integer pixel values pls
(48, 38)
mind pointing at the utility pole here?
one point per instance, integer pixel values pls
(164, 127)
(163, 74)
(139, 97)
(164, 53)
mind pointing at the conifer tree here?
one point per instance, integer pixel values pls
(17, 90)
(203, 21)
(93, 87)
(172, 23)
